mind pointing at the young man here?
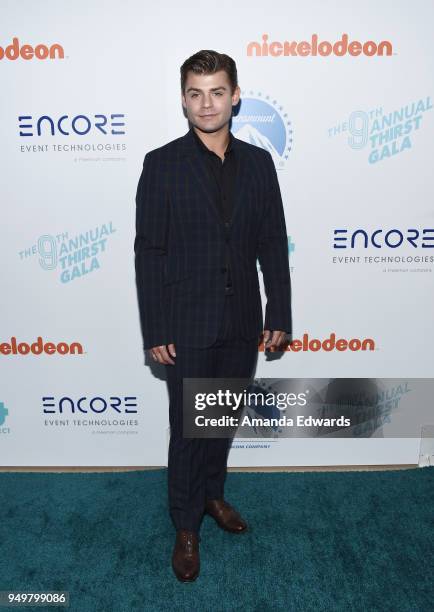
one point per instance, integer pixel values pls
(208, 206)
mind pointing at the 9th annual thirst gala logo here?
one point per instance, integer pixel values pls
(367, 403)
(384, 133)
(71, 257)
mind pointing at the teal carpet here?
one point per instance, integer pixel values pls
(351, 541)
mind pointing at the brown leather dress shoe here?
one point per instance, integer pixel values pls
(225, 515)
(185, 557)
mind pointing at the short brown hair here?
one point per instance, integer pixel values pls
(209, 62)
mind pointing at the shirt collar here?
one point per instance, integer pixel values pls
(205, 149)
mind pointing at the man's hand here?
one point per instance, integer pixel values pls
(162, 353)
(275, 341)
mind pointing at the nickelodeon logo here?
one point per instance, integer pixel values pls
(315, 48)
(37, 348)
(27, 52)
(329, 344)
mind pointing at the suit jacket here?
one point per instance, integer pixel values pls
(181, 245)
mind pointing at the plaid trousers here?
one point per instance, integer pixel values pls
(197, 466)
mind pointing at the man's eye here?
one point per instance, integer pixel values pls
(217, 93)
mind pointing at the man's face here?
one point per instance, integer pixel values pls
(208, 100)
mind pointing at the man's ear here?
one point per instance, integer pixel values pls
(236, 95)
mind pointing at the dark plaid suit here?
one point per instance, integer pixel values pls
(182, 247)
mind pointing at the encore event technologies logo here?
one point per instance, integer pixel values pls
(388, 245)
(65, 125)
(73, 257)
(69, 132)
(384, 134)
(27, 52)
(114, 414)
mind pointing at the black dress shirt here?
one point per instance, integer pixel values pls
(223, 172)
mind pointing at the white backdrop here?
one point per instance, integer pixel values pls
(351, 137)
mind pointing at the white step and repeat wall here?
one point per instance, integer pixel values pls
(342, 95)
